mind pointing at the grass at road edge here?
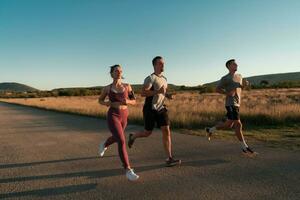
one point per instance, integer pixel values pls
(277, 137)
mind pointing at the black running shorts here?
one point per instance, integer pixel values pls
(161, 118)
(233, 112)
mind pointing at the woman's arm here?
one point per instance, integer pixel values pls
(132, 98)
(102, 97)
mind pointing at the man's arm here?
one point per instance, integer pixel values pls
(221, 88)
(245, 84)
(222, 91)
(170, 95)
(147, 92)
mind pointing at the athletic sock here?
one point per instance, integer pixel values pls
(244, 145)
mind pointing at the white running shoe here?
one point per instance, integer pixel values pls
(131, 175)
(102, 149)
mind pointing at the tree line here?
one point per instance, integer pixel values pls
(264, 84)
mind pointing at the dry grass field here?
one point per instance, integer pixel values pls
(263, 112)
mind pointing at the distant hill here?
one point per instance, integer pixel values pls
(283, 80)
(16, 87)
(270, 78)
(208, 87)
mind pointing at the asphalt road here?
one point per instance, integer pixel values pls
(50, 155)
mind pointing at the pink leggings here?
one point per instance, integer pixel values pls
(117, 121)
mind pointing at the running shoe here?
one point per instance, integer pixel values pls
(249, 152)
(102, 149)
(130, 140)
(131, 175)
(170, 162)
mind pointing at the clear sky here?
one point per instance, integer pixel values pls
(68, 43)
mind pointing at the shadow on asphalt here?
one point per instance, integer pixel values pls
(73, 122)
(109, 172)
(88, 174)
(50, 191)
(30, 164)
(201, 163)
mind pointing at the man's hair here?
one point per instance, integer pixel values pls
(156, 59)
(229, 62)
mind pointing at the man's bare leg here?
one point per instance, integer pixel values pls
(224, 125)
(220, 126)
(167, 143)
(140, 134)
(166, 139)
(238, 130)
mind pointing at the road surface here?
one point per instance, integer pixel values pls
(51, 155)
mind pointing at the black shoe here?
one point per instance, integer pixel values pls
(249, 152)
(130, 141)
(208, 133)
(172, 162)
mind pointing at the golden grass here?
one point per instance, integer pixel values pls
(191, 109)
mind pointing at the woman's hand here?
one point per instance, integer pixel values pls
(129, 102)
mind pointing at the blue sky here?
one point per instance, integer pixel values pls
(71, 43)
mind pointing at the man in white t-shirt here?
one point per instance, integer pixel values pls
(154, 110)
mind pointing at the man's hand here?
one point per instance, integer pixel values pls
(170, 96)
(162, 90)
(245, 83)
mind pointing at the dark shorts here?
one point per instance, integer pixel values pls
(161, 118)
(233, 112)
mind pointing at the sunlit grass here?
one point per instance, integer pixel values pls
(193, 110)
(272, 116)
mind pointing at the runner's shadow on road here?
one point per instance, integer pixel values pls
(30, 164)
(108, 172)
(50, 191)
(88, 174)
(201, 163)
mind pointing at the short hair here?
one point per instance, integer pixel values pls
(156, 59)
(229, 62)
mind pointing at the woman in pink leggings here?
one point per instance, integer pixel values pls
(120, 95)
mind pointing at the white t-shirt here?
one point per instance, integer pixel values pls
(155, 83)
